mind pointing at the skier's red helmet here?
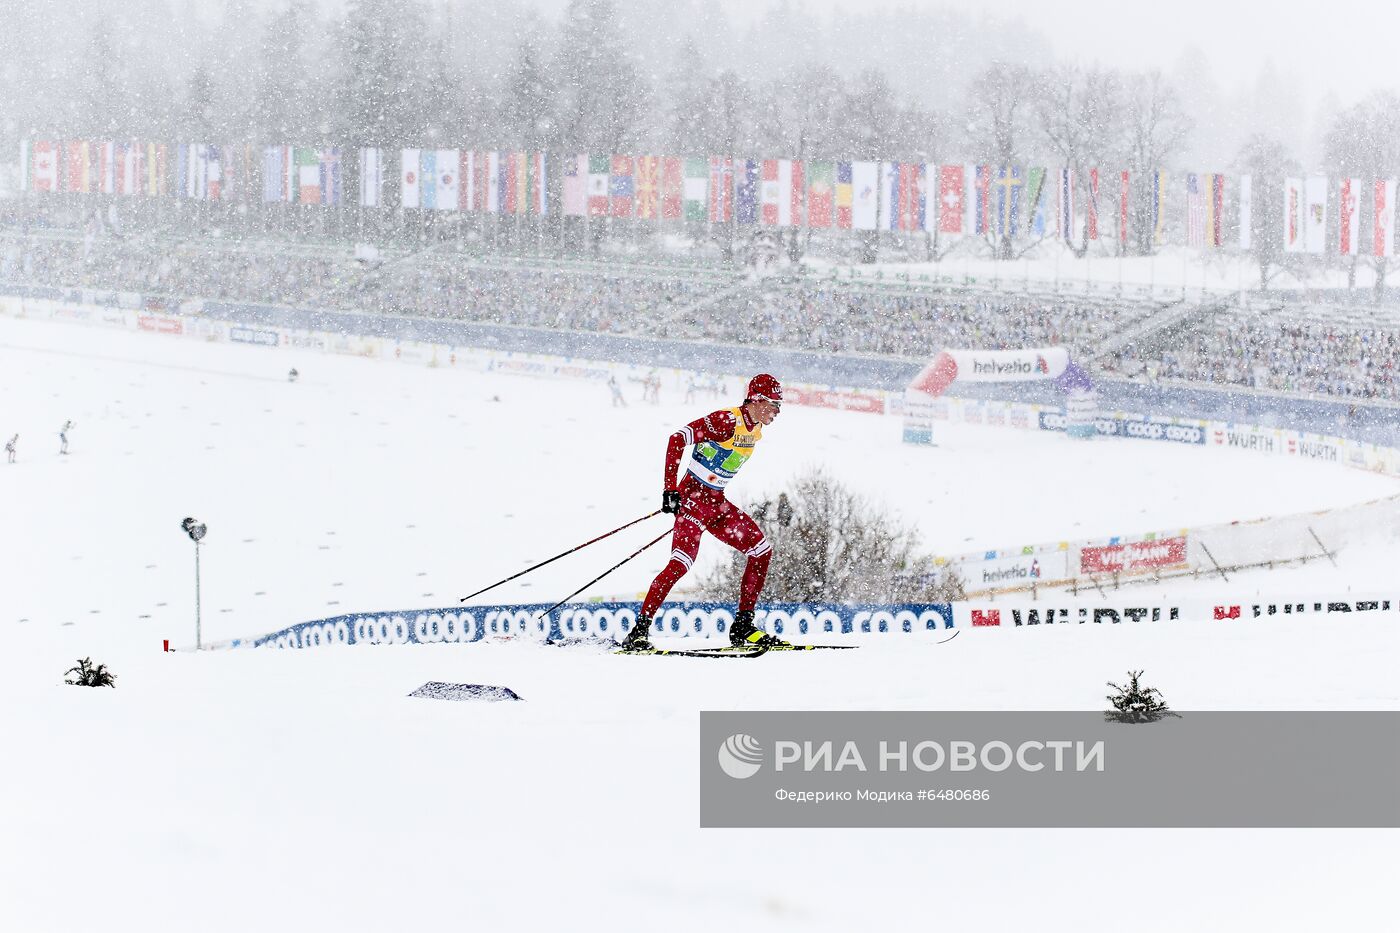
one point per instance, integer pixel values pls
(764, 386)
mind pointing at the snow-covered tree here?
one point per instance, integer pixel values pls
(527, 119)
(285, 89)
(686, 89)
(1267, 162)
(1156, 128)
(1080, 114)
(1363, 141)
(601, 93)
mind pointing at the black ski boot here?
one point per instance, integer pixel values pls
(637, 639)
(744, 634)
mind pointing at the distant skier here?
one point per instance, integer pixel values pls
(63, 436)
(722, 442)
(10, 448)
(617, 400)
(292, 374)
(651, 388)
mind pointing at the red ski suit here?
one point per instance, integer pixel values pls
(706, 509)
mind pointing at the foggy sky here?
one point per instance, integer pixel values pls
(1346, 52)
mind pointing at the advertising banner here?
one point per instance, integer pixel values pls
(1016, 571)
(262, 338)
(608, 622)
(840, 399)
(1135, 557)
(160, 324)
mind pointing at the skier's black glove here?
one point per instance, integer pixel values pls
(671, 501)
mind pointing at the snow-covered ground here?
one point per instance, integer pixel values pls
(304, 790)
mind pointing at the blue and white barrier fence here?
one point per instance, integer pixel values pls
(802, 622)
(598, 620)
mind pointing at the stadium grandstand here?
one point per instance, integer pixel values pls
(1299, 348)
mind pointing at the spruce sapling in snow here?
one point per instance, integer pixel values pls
(90, 676)
(1135, 703)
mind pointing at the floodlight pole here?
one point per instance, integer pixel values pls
(196, 530)
(197, 640)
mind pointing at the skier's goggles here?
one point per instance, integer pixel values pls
(775, 402)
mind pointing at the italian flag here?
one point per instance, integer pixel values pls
(306, 175)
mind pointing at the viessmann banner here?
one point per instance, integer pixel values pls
(1049, 769)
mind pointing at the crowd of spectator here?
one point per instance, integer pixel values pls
(208, 271)
(1307, 357)
(1318, 357)
(800, 314)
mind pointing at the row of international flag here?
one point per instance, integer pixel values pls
(197, 171)
(858, 195)
(954, 199)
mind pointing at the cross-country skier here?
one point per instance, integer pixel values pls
(10, 448)
(617, 400)
(63, 436)
(721, 443)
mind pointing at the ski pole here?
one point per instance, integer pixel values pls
(604, 573)
(557, 556)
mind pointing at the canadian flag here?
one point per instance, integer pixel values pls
(1385, 217)
(1350, 202)
(45, 166)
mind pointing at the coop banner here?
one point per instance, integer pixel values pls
(1120, 769)
(607, 621)
(1180, 431)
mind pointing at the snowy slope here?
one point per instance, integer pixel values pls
(303, 790)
